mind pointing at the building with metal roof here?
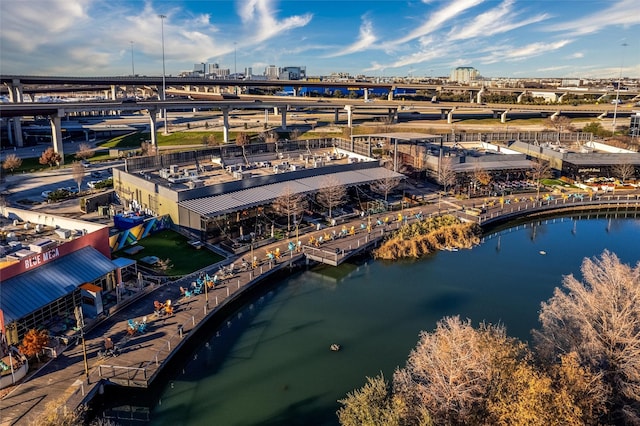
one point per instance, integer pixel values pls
(50, 258)
(196, 189)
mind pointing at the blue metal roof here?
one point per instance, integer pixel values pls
(32, 290)
(123, 262)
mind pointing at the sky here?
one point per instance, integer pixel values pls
(377, 38)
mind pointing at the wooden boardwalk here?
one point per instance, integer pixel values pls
(142, 356)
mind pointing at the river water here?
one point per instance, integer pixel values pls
(270, 364)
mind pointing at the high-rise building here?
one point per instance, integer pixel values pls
(464, 74)
(634, 126)
(272, 72)
(293, 73)
(248, 72)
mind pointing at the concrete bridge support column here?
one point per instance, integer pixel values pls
(283, 119)
(443, 114)
(561, 97)
(392, 115)
(450, 116)
(503, 117)
(106, 94)
(479, 96)
(153, 115)
(336, 115)
(86, 135)
(603, 115)
(266, 116)
(555, 115)
(520, 97)
(275, 111)
(390, 95)
(56, 135)
(295, 91)
(15, 91)
(366, 94)
(349, 110)
(603, 97)
(113, 92)
(225, 123)
(17, 131)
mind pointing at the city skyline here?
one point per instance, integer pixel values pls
(509, 38)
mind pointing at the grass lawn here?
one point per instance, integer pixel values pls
(171, 245)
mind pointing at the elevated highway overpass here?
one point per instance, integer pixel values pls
(17, 85)
(279, 104)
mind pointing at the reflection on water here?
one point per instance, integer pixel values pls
(270, 363)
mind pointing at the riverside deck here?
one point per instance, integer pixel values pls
(64, 382)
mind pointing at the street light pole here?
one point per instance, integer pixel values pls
(615, 106)
(164, 94)
(133, 70)
(235, 69)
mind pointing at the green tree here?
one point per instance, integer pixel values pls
(597, 129)
(373, 405)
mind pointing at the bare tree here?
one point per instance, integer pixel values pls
(624, 171)
(331, 194)
(290, 204)
(559, 123)
(84, 151)
(599, 320)
(539, 170)
(12, 162)
(242, 140)
(50, 157)
(77, 171)
(385, 185)
(294, 135)
(446, 175)
(164, 264)
(450, 371)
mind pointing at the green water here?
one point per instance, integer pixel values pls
(270, 364)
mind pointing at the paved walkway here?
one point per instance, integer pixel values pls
(63, 380)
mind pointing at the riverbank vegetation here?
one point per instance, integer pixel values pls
(583, 369)
(428, 235)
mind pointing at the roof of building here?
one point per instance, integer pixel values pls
(123, 262)
(233, 201)
(410, 136)
(32, 290)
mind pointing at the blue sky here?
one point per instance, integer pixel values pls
(501, 38)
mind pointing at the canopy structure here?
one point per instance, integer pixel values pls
(233, 201)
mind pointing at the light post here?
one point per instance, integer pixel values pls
(164, 95)
(235, 69)
(80, 325)
(133, 70)
(615, 105)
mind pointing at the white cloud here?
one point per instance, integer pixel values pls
(619, 13)
(506, 53)
(259, 14)
(438, 19)
(366, 38)
(557, 68)
(577, 55)
(485, 24)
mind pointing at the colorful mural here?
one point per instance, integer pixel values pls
(131, 236)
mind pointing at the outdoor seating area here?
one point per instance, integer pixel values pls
(135, 327)
(162, 309)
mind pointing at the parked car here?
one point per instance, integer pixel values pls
(92, 183)
(45, 194)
